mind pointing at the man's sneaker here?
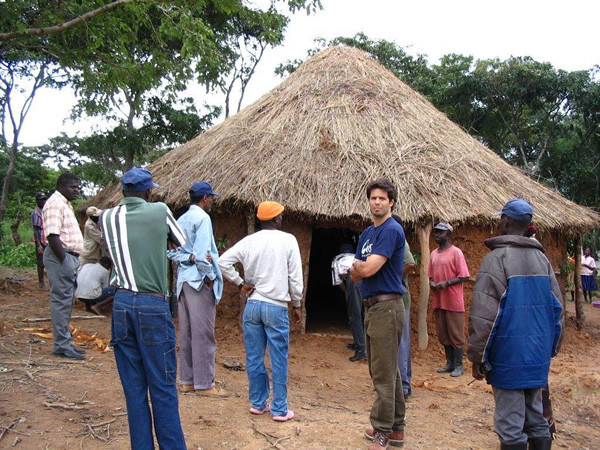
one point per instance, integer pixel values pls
(396, 438)
(212, 392)
(380, 441)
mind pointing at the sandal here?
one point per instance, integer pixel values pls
(260, 412)
(289, 416)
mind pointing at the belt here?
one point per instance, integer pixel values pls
(153, 294)
(368, 302)
(75, 254)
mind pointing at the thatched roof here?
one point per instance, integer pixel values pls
(341, 120)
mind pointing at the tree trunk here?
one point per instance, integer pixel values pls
(579, 314)
(423, 233)
(14, 228)
(7, 181)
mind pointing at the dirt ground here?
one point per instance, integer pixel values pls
(51, 403)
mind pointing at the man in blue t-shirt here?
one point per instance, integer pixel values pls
(379, 264)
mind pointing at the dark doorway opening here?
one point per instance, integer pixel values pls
(326, 304)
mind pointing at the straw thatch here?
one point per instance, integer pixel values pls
(338, 122)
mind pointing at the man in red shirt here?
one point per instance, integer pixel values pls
(447, 272)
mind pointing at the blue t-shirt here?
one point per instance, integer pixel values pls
(387, 240)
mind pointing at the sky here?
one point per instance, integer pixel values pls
(560, 32)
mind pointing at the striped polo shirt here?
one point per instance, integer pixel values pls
(136, 234)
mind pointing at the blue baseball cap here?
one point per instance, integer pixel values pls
(517, 209)
(137, 180)
(201, 188)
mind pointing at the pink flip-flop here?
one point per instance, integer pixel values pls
(289, 416)
(260, 412)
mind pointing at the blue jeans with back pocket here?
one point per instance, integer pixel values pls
(267, 324)
(143, 338)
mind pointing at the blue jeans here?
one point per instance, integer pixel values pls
(143, 338)
(355, 314)
(404, 363)
(265, 323)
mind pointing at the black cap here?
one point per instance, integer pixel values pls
(40, 196)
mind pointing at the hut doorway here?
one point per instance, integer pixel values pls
(326, 304)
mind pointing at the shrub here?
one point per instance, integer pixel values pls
(19, 256)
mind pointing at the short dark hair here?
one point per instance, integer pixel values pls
(385, 185)
(66, 178)
(105, 261)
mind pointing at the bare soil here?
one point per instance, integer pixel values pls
(48, 402)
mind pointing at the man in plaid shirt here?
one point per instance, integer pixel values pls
(61, 258)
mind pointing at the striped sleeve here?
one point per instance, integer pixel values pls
(176, 234)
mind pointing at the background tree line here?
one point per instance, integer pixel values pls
(130, 62)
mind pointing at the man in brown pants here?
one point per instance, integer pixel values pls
(447, 272)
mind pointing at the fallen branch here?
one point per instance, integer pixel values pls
(102, 424)
(273, 440)
(11, 427)
(48, 319)
(95, 435)
(63, 406)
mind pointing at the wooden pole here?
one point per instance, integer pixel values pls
(423, 234)
(579, 313)
(250, 229)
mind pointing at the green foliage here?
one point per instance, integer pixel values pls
(19, 256)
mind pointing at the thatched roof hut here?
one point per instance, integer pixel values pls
(341, 120)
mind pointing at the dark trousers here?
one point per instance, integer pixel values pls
(384, 323)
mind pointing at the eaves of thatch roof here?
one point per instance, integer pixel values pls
(341, 120)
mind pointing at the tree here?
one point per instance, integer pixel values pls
(123, 56)
(524, 102)
(43, 73)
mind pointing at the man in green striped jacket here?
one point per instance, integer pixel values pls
(137, 233)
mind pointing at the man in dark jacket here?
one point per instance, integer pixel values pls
(515, 328)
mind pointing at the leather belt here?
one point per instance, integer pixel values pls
(153, 294)
(368, 302)
(75, 254)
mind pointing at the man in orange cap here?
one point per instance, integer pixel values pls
(273, 280)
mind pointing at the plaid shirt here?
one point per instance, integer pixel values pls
(59, 219)
(37, 223)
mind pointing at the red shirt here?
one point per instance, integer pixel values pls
(443, 266)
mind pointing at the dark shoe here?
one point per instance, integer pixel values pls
(70, 354)
(458, 362)
(351, 346)
(357, 356)
(449, 367)
(79, 350)
(407, 395)
(540, 444)
(396, 438)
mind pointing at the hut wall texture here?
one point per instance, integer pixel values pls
(469, 238)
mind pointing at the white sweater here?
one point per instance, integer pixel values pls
(272, 264)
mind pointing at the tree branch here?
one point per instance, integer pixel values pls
(62, 26)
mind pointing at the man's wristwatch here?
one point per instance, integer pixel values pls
(241, 285)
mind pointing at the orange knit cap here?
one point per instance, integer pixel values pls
(268, 210)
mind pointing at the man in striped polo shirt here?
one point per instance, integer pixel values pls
(137, 233)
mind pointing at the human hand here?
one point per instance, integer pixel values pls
(297, 314)
(247, 289)
(476, 371)
(209, 258)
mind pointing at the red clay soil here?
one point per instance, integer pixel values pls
(49, 402)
